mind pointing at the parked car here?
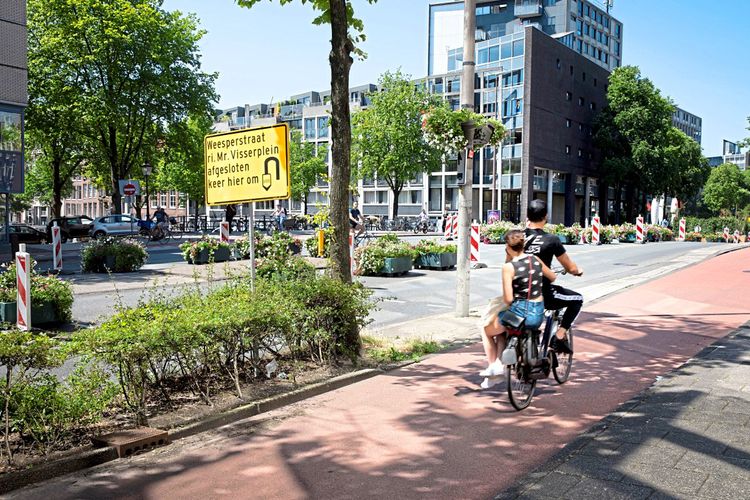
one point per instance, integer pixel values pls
(26, 233)
(77, 226)
(114, 225)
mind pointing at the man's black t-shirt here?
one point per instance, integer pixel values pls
(355, 213)
(545, 246)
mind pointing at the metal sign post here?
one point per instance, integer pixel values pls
(251, 235)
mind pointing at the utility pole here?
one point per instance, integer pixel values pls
(463, 269)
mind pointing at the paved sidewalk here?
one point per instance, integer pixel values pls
(688, 436)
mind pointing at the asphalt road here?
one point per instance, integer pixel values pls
(423, 293)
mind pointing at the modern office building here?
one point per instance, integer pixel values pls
(689, 123)
(595, 34)
(542, 68)
(731, 153)
(13, 93)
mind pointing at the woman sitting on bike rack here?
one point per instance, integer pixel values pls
(522, 292)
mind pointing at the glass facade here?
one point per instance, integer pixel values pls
(11, 150)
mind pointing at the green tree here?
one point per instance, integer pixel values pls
(306, 166)
(53, 129)
(726, 188)
(388, 140)
(181, 164)
(132, 70)
(641, 148)
(340, 16)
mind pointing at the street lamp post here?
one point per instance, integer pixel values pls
(147, 169)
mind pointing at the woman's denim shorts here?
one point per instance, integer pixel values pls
(534, 314)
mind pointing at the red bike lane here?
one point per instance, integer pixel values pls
(425, 431)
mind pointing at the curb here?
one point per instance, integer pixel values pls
(563, 455)
(94, 457)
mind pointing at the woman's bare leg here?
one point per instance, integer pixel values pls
(493, 341)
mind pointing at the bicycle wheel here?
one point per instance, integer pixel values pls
(520, 387)
(562, 363)
(176, 234)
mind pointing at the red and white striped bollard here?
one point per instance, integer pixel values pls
(736, 235)
(474, 243)
(56, 248)
(448, 232)
(23, 286)
(683, 230)
(596, 228)
(640, 236)
(455, 227)
(726, 234)
(224, 231)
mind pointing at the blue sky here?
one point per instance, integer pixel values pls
(694, 51)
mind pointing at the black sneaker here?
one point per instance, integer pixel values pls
(561, 346)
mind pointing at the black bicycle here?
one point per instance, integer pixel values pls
(528, 359)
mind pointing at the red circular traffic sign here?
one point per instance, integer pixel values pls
(129, 189)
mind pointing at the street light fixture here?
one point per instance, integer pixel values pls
(147, 169)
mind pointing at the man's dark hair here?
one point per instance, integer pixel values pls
(537, 211)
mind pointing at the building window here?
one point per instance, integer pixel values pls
(595, 82)
(506, 51)
(173, 199)
(567, 123)
(567, 150)
(580, 153)
(323, 126)
(568, 96)
(592, 105)
(551, 21)
(309, 128)
(584, 76)
(571, 70)
(558, 64)
(517, 48)
(580, 101)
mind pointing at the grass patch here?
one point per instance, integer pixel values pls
(386, 351)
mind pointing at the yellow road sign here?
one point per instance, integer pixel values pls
(247, 165)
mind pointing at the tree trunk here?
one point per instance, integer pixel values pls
(57, 185)
(304, 205)
(396, 194)
(341, 62)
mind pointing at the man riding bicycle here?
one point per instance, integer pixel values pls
(545, 246)
(162, 221)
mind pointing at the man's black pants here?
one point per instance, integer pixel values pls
(558, 297)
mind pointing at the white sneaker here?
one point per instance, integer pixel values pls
(493, 370)
(490, 381)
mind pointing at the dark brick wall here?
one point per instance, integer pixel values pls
(13, 59)
(547, 80)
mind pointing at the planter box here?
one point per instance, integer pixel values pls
(396, 266)
(439, 261)
(40, 315)
(628, 239)
(221, 254)
(563, 238)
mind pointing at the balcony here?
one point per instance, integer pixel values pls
(527, 8)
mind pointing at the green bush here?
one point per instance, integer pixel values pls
(291, 268)
(191, 249)
(716, 224)
(47, 411)
(45, 289)
(495, 233)
(371, 258)
(425, 247)
(128, 255)
(210, 341)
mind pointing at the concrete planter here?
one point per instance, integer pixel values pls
(563, 238)
(43, 314)
(440, 261)
(396, 266)
(221, 254)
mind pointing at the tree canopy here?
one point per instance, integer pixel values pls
(388, 140)
(132, 70)
(640, 145)
(726, 188)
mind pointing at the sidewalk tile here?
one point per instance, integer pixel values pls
(666, 480)
(597, 489)
(594, 467)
